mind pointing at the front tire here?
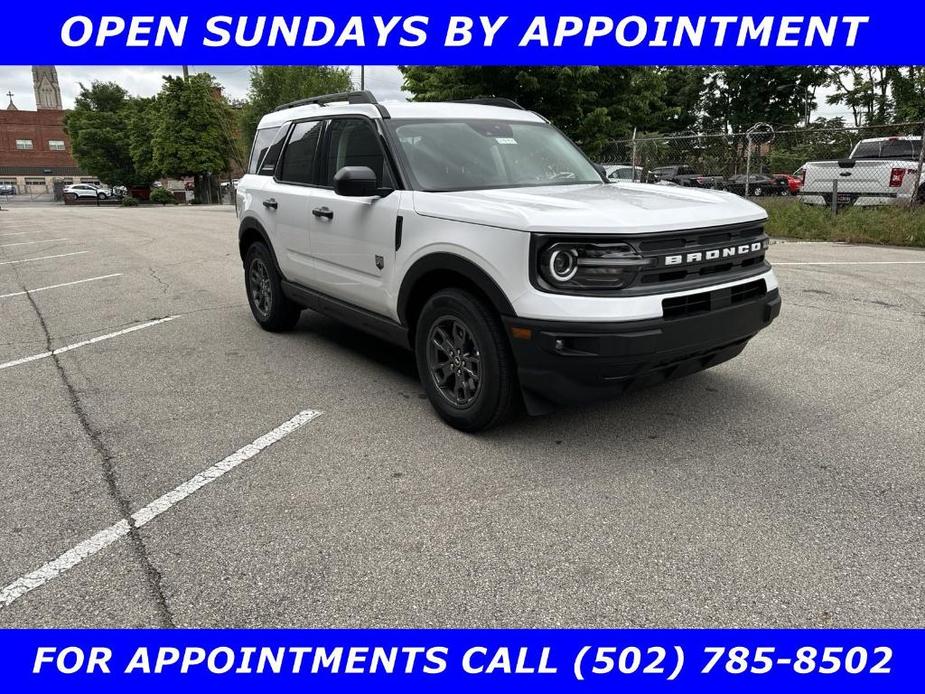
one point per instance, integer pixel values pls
(758, 192)
(272, 310)
(464, 361)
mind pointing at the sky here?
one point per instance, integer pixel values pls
(383, 81)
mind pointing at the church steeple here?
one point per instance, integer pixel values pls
(47, 91)
(12, 106)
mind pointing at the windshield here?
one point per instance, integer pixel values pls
(445, 155)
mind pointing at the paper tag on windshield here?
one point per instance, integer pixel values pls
(505, 140)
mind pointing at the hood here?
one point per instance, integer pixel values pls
(622, 208)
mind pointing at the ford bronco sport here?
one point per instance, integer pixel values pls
(479, 236)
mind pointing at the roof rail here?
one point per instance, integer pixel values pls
(491, 101)
(358, 97)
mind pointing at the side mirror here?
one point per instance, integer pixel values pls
(602, 172)
(358, 182)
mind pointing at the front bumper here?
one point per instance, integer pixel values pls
(573, 362)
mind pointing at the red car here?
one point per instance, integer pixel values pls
(793, 183)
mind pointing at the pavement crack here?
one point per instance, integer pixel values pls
(153, 577)
(165, 286)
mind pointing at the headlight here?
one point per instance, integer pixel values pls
(587, 266)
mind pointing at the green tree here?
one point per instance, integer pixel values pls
(191, 135)
(738, 97)
(272, 86)
(825, 138)
(908, 87)
(141, 116)
(865, 90)
(685, 89)
(100, 132)
(590, 104)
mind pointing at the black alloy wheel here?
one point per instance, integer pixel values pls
(260, 288)
(454, 361)
(271, 308)
(464, 360)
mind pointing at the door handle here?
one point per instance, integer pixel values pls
(271, 203)
(325, 212)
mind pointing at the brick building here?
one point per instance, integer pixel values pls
(35, 152)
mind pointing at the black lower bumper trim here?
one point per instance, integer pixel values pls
(570, 362)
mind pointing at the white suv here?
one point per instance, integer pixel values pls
(86, 190)
(479, 236)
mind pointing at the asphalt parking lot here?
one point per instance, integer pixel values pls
(785, 488)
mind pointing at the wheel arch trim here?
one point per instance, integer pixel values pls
(435, 262)
(251, 225)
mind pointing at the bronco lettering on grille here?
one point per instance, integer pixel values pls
(715, 253)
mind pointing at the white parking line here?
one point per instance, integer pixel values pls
(20, 233)
(29, 243)
(84, 343)
(43, 257)
(858, 262)
(56, 286)
(143, 516)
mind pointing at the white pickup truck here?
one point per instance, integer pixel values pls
(879, 171)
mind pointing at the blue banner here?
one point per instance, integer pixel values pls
(462, 660)
(479, 32)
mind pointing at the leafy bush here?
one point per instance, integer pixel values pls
(129, 202)
(162, 196)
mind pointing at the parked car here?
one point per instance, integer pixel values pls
(623, 172)
(685, 175)
(758, 185)
(879, 171)
(86, 190)
(7, 188)
(479, 237)
(794, 182)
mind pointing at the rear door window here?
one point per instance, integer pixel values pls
(300, 157)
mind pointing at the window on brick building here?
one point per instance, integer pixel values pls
(56, 145)
(23, 144)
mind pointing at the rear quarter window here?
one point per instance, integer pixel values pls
(268, 143)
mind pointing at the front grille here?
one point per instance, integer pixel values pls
(703, 302)
(684, 243)
(670, 261)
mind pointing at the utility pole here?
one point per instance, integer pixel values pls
(806, 108)
(918, 173)
(362, 77)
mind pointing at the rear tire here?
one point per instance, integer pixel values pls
(272, 310)
(464, 361)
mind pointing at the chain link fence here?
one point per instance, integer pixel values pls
(820, 166)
